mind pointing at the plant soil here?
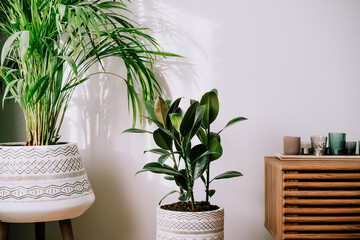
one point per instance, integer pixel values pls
(186, 207)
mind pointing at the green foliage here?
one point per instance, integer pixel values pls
(51, 45)
(163, 140)
(161, 109)
(210, 100)
(229, 174)
(174, 136)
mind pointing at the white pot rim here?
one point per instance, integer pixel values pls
(219, 209)
(22, 145)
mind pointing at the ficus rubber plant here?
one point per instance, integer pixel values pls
(179, 160)
(52, 44)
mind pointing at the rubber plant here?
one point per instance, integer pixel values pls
(174, 136)
(51, 45)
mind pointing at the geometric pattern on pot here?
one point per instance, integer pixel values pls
(37, 152)
(42, 183)
(173, 225)
(210, 226)
(174, 238)
(42, 166)
(51, 191)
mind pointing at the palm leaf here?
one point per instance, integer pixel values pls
(49, 38)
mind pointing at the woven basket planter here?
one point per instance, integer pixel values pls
(172, 225)
(42, 183)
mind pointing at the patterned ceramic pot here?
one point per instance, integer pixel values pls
(42, 183)
(172, 225)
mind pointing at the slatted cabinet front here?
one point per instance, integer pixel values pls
(312, 199)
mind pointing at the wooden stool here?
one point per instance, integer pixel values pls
(65, 227)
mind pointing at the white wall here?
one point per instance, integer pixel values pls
(291, 67)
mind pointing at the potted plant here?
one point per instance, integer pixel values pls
(50, 47)
(184, 162)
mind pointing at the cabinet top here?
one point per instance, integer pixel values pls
(323, 164)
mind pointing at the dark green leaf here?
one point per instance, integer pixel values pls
(198, 160)
(211, 101)
(229, 174)
(157, 151)
(215, 145)
(136, 130)
(200, 164)
(162, 139)
(235, 120)
(156, 167)
(197, 122)
(181, 181)
(188, 119)
(212, 192)
(231, 122)
(207, 153)
(169, 178)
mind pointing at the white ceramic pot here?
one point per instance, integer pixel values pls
(42, 183)
(172, 225)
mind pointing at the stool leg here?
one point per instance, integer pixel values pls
(40, 230)
(4, 230)
(66, 229)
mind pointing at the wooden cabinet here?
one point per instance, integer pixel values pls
(312, 199)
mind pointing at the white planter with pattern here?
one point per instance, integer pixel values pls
(42, 183)
(172, 225)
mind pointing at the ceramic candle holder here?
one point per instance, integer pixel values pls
(291, 145)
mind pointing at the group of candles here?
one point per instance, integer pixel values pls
(337, 145)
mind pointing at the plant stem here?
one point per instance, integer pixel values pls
(177, 168)
(173, 158)
(207, 181)
(208, 168)
(192, 199)
(188, 175)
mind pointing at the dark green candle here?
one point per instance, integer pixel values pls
(350, 147)
(337, 143)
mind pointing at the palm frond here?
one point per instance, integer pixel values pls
(50, 37)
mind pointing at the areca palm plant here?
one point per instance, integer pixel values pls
(51, 46)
